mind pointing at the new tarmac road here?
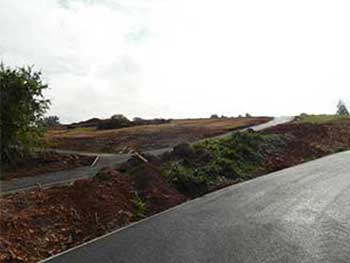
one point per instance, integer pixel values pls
(300, 214)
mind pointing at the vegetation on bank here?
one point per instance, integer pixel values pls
(197, 169)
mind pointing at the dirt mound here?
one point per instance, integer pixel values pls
(308, 141)
(40, 223)
(151, 184)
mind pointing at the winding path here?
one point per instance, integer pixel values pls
(104, 160)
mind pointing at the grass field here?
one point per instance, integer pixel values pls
(319, 119)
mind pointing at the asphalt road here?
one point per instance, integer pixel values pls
(104, 160)
(300, 214)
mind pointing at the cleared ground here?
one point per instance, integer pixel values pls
(148, 137)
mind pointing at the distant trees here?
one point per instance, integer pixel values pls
(115, 122)
(342, 109)
(214, 116)
(51, 121)
(120, 117)
(22, 108)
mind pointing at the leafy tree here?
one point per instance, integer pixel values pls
(342, 110)
(22, 108)
(214, 116)
(119, 117)
(51, 121)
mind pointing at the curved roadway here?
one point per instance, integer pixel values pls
(297, 215)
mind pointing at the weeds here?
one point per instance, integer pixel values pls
(140, 207)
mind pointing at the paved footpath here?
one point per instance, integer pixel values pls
(104, 160)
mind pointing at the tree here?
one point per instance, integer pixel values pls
(22, 108)
(342, 110)
(120, 117)
(51, 121)
(214, 116)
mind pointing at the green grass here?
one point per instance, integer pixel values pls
(320, 119)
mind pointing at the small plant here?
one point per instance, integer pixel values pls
(140, 207)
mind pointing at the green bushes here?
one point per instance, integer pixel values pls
(22, 108)
(211, 162)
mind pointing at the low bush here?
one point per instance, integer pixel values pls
(195, 170)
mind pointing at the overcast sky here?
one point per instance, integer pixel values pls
(182, 58)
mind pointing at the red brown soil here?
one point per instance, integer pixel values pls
(147, 137)
(308, 141)
(40, 223)
(44, 162)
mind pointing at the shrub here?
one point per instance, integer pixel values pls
(197, 169)
(22, 108)
(189, 180)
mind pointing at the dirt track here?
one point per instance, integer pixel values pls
(146, 138)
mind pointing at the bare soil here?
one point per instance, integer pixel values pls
(39, 223)
(43, 162)
(308, 141)
(146, 137)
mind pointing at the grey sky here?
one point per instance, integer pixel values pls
(177, 58)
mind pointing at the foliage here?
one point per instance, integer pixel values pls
(22, 108)
(119, 117)
(114, 123)
(139, 207)
(342, 109)
(51, 121)
(214, 116)
(214, 161)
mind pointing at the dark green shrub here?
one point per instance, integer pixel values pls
(22, 108)
(197, 169)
